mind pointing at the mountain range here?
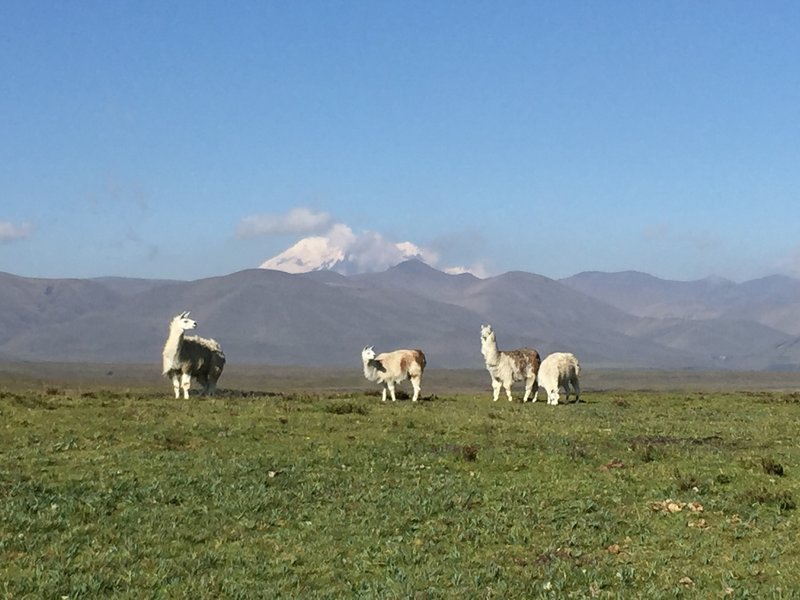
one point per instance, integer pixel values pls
(262, 316)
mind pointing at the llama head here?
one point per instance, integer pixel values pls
(369, 360)
(183, 322)
(486, 332)
(367, 354)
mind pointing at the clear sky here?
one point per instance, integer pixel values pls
(187, 139)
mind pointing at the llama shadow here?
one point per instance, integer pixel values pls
(229, 394)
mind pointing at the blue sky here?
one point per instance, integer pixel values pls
(193, 139)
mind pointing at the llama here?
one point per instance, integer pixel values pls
(187, 356)
(508, 366)
(560, 370)
(389, 368)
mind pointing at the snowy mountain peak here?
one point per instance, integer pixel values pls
(343, 251)
(309, 254)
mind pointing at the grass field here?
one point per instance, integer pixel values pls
(318, 491)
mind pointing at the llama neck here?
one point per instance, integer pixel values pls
(172, 348)
(369, 372)
(490, 352)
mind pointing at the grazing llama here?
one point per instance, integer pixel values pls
(188, 356)
(389, 368)
(560, 370)
(508, 366)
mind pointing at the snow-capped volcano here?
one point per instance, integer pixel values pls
(309, 254)
(343, 251)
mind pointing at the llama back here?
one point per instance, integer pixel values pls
(533, 358)
(523, 362)
(209, 343)
(407, 362)
(559, 367)
(205, 353)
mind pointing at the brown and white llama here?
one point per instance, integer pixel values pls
(389, 368)
(508, 366)
(190, 356)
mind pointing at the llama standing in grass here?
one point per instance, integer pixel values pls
(560, 370)
(187, 356)
(389, 368)
(508, 366)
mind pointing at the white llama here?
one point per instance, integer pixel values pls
(188, 356)
(508, 366)
(389, 368)
(560, 370)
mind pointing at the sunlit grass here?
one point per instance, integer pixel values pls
(135, 494)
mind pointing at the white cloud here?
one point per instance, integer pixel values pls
(370, 251)
(10, 232)
(479, 269)
(298, 221)
(341, 235)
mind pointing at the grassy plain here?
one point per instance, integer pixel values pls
(298, 484)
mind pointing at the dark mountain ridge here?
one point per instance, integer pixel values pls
(259, 316)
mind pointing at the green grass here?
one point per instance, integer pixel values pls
(132, 494)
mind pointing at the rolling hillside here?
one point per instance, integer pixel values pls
(323, 318)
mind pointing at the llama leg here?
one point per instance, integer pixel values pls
(390, 385)
(496, 385)
(186, 383)
(415, 383)
(528, 389)
(383, 393)
(577, 387)
(176, 385)
(507, 385)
